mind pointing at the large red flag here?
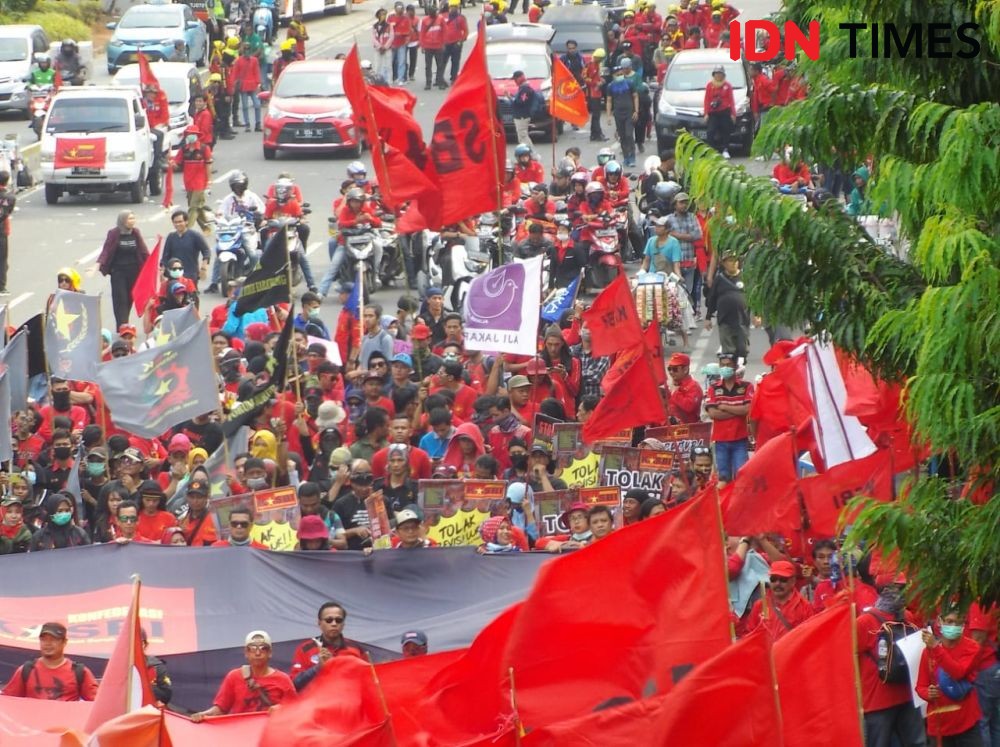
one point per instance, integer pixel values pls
(568, 101)
(468, 148)
(825, 495)
(633, 400)
(654, 348)
(828, 705)
(631, 613)
(728, 700)
(148, 281)
(612, 319)
(146, 75)
(762, 497)
(125, 685)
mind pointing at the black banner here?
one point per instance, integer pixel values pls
(267, 285)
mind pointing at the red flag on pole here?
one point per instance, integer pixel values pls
(654, 348)
(632, 400)
(762, 497)
(612, 319)
(148, 281)
(826, 495)
(146, 76)
(568, 102)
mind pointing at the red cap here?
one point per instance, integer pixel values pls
(679, 359)
(126, 329)
(420, 332)
(312, 527)
(884, 579)
(783, 569)
(575, 507)
(537, 367)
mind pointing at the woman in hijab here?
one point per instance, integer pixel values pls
(60, 529)
(122, 257)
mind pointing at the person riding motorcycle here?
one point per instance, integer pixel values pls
(287, 57)
(561, 186)
(371, 77)
(44, 74)
(526, 168)
(662, 202)
(538, 206)
(286, 203)
(604, 155)
(241, 202)
(355, 212)
(578, 198)
(511, 186)
(69, 64)
(566, 257)
(615, 183)
(357, 173)
(597, 202)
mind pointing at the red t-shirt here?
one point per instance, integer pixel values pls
(58, 683)
(235, 696)
(151, 527)
(795, 612)
(685, 401)
(947, 717)
(307, 655)
(420, 463)
(731, 429)
(826, 592)
(875, 694)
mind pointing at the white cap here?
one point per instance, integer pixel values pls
(407, 514)
(254, 634)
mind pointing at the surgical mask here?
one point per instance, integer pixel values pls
(952, 632)
(62, 518)
(450, 357)
(190, 139)
(95, 469)
(257, 483)
(562, 236)
(176, 273)
(62, 452)
(452, 12)
(30, 477)
(726, 372)
(60, 400)
(314, 313)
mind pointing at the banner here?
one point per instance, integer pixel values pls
(6, 443)
(568, 102)
(73, 335)
(681, 439)
(625, 467)
(267, 285)
(559, 301)
(151, 391)
(276, 519)
(15, 358)
(551, 505)
(35, 329)
(612, 319)
(501, 309)
(454, 509)
(80, 153)
(173, 322)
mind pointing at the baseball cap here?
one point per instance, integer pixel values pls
(679, 359)
(198, 487)
(98, 453)
(408, 513)
(54, 629)
(262, 634)
(177, 288)
(418, 637)
(179, 442)
(431, 292)
(312, 527)
(783, 569)
(132, 454)
(682, 197)
(661, 221)
(340, 456)
(541, 446)
(405, 358)
(126, 329)
(516, 382)
(10, 500)
(421, 331)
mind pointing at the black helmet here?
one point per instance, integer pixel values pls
(666, 190)
(239, 181)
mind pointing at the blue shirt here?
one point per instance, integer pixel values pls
(434, 445)
(670, 251)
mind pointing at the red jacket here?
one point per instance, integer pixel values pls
(195, 162)
(723, 95)
(246, 73)
(875, 694)
(786, 175)
(685, 401)
(762, 94)
(947, 717)
(532, 172)
(795, 612)
(401, 29)
(456, 29)
(206, 127)
(432, 33)
(347, 218)
(158, 111)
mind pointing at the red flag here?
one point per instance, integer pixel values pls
(468, 148)
(827, 705)
(612, 319)
(125, 685)
(634, 399)
(634, 611)
(168, 185)
(775, 408)
(654, 348)
(568, 101)
(825, 495)
(80, 152)
(728, 700)
(142, 728)
(762, 497)
(148, 281)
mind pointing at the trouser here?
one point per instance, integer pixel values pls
(988, 692)
(411, 244)
(720, 126)
(249, 98)
(596, 110)
(198, 210)
(122, 281)
(626, 134)
(222, 111)
(265, 74)
(411, 66)
(339, 257)
(157, 134)
(522, 126)
(642, 121)
(453, 55)
(4, 259)
(433, 57)
(968, 738)
(399, 64)
(735, 338)
(729, 457)
(383, 63)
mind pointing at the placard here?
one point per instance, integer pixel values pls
(454, 509)
(549, 506)
(543, 429)
(627, 467)
(378, 522)
(566, 440)
(682, 438)
(276, 519)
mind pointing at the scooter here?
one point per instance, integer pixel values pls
(604, 260)
(451, 268)
(359, 243)
(295, 248)
(263, 18)
(236, 242)
(391, 266)
(41, 97)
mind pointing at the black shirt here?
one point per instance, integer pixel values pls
(126, 256)
(398, 497)
(186, 248)
(353, 513)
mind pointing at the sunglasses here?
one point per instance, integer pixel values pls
(378, 365)
(239, 524)
(780, 580)
(128, 519)
(674, 368)
(63, 279)
(258, 647)
(362, 478)
(331, 620)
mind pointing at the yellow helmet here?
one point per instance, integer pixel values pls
(454, 3)
(215, 78)
(628, 13)
(599, 54)
(233, 42)
(718, 4)
(75, 280)
(501, 6)
(287, 45)
(674, 9)
(218, 45)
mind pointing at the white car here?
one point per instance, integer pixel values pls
(179, 80)
(97, 139)
(314, 7)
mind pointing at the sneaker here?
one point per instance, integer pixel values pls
(427, 87)
(257, 128)
(247, 129)
(600, 139)
(725, 154)
(641, 147)
(213, 288)
(4, 292)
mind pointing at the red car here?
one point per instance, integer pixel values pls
(307, 110)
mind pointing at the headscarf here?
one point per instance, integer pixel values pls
(196, 452)
(169, 533)
(489, 528)
(267, 451)
(122, 219)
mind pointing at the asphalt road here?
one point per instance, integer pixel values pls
(47, 237)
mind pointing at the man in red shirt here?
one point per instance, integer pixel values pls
(52, 676)
(761, 92)
(526, 168)
(401, 30)
(686, 395)
(465, 396)
(400, 432)
(254, 687)
(783, 606)
(432, 42)
(59, 391)
(194, 158)
(727, 405)
(157, 107)
(312, 654)
(247, 84)
(456, 31)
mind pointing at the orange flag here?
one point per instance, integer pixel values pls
(148, 280)
(827, 705)
(728, 700)
(568, 101)
(125, 685)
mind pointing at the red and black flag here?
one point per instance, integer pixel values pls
(73, 335)
(154, 390)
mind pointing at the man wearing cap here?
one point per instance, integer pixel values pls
(198, 525)
(413, 643)
(623, 109)
(524, 103)
(541, 468)
(663, 251)
(684, 405)
(577, 521)
(254, 687)
(312, 654)
(400, 370)
(727, 300)
(352, 509)
(425, 362)
(52, 676)
(684, 227)
(409, 534)
(783, 606)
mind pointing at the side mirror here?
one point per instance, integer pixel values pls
(140, 121)
(264, 95)
(112, 25)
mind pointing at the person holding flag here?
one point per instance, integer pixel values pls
(154, 101)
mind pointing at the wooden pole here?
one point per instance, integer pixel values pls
(491, 108)
(518, 728)
(133, 620)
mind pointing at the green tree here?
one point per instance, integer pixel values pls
(928, 316)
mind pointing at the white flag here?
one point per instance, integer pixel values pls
(501, 309)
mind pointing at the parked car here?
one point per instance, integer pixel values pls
(307, 110)
(153, 29)
(313, 8)
(18, 46)
(180, 81)
(586, 24)
(681, 102)
(521, 46)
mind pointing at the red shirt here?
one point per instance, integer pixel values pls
(532, 172)
(762, 95)
(961, 663)
(432, 33)
(235, 696)
(288, 209)
(722, 95)
(253, 544)
(795, 611)
(77, 415)
(786, 175)
(151, 527)
(455, 29)
(420, 463)
(875, 694)
(685, 401)
(401, 29)
(826, 593)
(195, 164)
(307, 654)
(58, 683)
(246, 73)
(730, 429)
(347, 218)
(158, 110)
(203, 121)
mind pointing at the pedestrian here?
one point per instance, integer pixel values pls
(255, 687)
(525, 104)
(195, 157)
(456, 31)
(412, 43)
(122, 257)
(684, 226)
(686, 396)
(623, 110)
(728, 404)
(593, 79)
(246, 71)
(52, 676)
(383, 36)
(720, 111)
(7, 201)
(312, 654)
(203, 121)
(186, 246)
(432, 43)
(727, 299)
(401, 30)
(297, 32)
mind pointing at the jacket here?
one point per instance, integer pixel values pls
(246, 73)
(453, 454)
(111, 247)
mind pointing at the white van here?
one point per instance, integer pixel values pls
(97, 139)
(18, 46)
(179, 80)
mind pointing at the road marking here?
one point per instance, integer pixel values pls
(313, 246)
(220, 179)
(22, 297)
(89, 258)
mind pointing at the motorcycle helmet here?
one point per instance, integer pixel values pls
(356, 171)
(665, 191)
(541, 187)
(522, 150)
(283, 189)
(509, 166)
(565, 172)
(261, 30)
(239, 182)
(43, 57)
(579, 177)
(604, 155)
(69, 44)
(355, 193)
(599, 54)
(594, 188)
(366, 64)
(233, 42)
(288, 45)
(612, 168)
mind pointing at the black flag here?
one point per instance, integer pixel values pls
(267, 285)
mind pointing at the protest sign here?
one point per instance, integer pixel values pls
(454, 509)
(566, 440)
(549, 506)
(276, 518)
(682, 438)
(544, 429)
(626, 467)
(378, 522)
(221, 506)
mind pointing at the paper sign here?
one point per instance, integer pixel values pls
(332, 349)
(551, 505)
(682, 438)
(912, 647)
(566, 439)
(378, 522)
(626, 467)
(454, 509)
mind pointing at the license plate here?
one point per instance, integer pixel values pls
(81, 171)
(308, 133)
(700, 134)
(606, 233)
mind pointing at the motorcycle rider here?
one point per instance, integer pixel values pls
(285, 205)
(526, 168)
(538, 206)
(604, 155)
(615, 183)
(579, 183)
(511, 185)
(69, 64)
(566, 258)
(357, 173)
(663, 199)
(596, 203)
(535, 245)
(288, 56)
(354, 212)
(44, 74)
(560, 186)
(240, 202)
(157, 107)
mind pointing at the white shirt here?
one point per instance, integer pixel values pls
(249, 200)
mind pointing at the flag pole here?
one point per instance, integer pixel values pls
(378, 686)
(518, 728)
(291, 307)
(857, 668)
(491, 108)
(722, 536)
(133, 619)
(361, 311)
(775, 691)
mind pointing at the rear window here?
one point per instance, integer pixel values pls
(588, 38)
(13, 50)
(89, 115)
(504, 65)
(695, 76)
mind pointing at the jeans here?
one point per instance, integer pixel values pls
(626, 135)
(596, 110)
(433, 57)
(249, 98)
(4, 258)
(988, 691)
(383, 63)
(729, 457)
(901, 720)
(399, 64)
(453, 55)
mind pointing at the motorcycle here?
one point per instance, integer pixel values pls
(231, 30)
(263, 17)
(41, 97)
(236, 242)
(12, 162)
(451, 268)
(391, 266)
(359, 243)
(295, 247)
(604, 260)
(496, 237)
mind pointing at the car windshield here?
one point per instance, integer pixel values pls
(695, 76)
(175, 88)
(505, 64)
(588, 38)
(88, 115)
(312, 84)
(149, 20)
(13, 50)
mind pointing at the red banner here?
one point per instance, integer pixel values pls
(80, 152)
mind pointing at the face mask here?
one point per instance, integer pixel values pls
(176, 273)
(952, 632)
(726, 372)
(562, 236)
(60, 400)
(519, 461)
(62, 518)
(450, 357)
(507, 422)
(257, 483)
(95, 469)
(190, 139)
(453, 13)
(62, 452)
(314, 313)
(30, 477)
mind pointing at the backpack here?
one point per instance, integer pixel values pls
(78, 670)
(537, 103)
(888, 658)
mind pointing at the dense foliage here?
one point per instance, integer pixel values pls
(929, 317)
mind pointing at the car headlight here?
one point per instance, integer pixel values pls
(113, 42)
(128, 155)
(275, 113)
(743, 108)
(666, 108)
(166, 42)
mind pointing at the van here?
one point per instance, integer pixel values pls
(181, 83)
(97, 139)
(18, 46)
